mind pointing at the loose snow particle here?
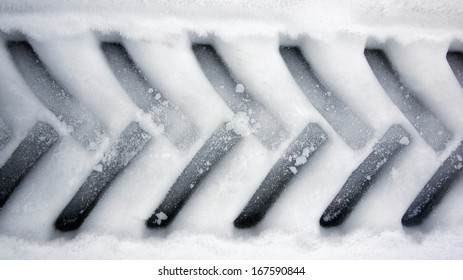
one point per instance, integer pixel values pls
(459, 158)
(458, 166)
(160, 217)
(290, 158)
(98, 167)
(239, 88)
(368, 177)
(157, 96)
(240, 124)
(305, 152)
(404, 141)
(192, 186)
(150, 90)
(293, 169)
(300, 160)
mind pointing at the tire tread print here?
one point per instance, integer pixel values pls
(224, 139)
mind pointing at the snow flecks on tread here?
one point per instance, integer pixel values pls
(81, 123)
(353, 130)
(360, 180)
(267, 128)
(239, 88)
(175, 124)
(429, 127)
(240, 124)
(435, 189)
(209, 155)
(5, 134)
(123, 150)
(279, 177)
(38, 141)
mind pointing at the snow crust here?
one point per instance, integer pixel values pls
(157, 35)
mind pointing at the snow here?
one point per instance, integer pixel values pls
(293, 169)
(98, 167)
(239, 88)
(157, 35)
(239, 124)
(404, 141)
(300, 160)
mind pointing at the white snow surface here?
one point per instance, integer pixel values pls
(158, 36)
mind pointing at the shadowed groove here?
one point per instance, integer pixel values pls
(430, 128)
(360, 180)
(213, 150)
(279, 177)
(37, 142)
(81, 123)
(355, 132)
(178, 128)
(5, 134)
(455, 60)
(435, 189)
(267, 128)
(122, 151)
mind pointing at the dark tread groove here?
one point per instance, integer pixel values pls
(354, 131)
(178, 128)
(122, 151)
(277, 180)
(81, 123)
(433, 131)
(37, 142)
(267, 128)
(361, 179)
(435, 189)
(5, 134)
(213, 150)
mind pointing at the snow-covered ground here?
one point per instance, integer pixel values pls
(247, 34)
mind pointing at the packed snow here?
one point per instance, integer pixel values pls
(247, 34)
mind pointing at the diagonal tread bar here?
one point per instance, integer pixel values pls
(455, 60)
(5, 134)
(433, 131)
(277, 180)
(361, 179)
(37, 142)
(435, 189)
(122, 151)
(81, 123)
(213, 150)
(178, 128)
(268, 129)
(355, 132)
